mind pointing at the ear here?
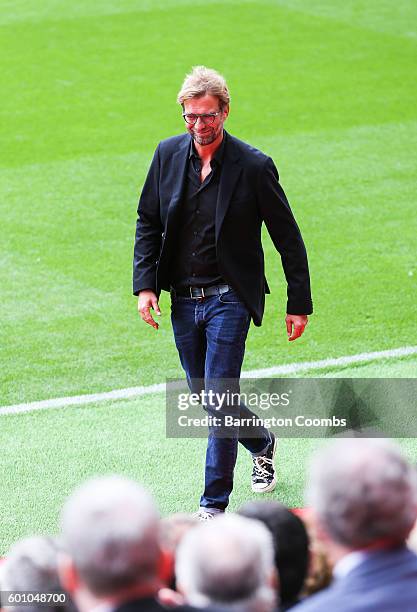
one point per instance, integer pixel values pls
(67, 572)
(180, 589)
(225, 111)
(319, 531)
(273, 580)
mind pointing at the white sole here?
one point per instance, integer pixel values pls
(267, 489)
(272, 484)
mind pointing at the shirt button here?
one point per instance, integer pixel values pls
(197, 212)
(193, 273)
(193, 254)
(195, 233)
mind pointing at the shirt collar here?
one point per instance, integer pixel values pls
(103, 607)
(349, 562)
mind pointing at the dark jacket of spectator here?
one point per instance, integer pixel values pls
(386, 581)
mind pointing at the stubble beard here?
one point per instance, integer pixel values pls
(206, 139)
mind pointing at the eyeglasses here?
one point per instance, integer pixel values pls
(206, 118)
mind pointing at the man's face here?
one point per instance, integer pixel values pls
(202, 133)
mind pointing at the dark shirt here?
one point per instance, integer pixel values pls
(195, 263)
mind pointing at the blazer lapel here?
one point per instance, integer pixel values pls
(230, 173)
(177, 179)
(179, 169)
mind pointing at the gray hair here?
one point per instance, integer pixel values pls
(31, 565)
(227, 562)
(363, 491)
(110, 529)
(202, 81)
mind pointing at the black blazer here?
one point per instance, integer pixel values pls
(144, 604)
(249, 194)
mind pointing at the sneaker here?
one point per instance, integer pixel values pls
(263, 475)
(203, 515)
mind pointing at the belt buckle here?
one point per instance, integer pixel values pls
(197, 297)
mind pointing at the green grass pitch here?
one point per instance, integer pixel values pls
(88, 89)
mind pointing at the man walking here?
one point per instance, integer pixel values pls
(198, 235)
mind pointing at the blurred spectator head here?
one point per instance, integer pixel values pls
(228, 562)
(172, 530)
(364, 493)
(320, 568)
(110, 534)
(32, 565)
(291, 544)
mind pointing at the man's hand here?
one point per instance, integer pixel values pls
(298, 322)
(147, 300)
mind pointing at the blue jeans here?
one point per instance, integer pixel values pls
(210, 336)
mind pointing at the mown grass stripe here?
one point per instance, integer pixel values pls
(134, 392)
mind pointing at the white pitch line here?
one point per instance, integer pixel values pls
(292, 368)
(134, 392)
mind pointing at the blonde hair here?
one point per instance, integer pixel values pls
(202, 81)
